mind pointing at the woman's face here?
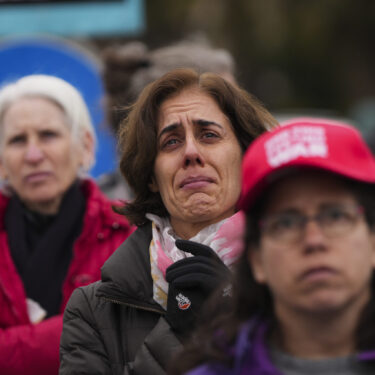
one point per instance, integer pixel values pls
(38, 156)
(197, 167)
(329, 265)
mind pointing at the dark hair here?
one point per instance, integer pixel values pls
(138, 132)
(251, 299)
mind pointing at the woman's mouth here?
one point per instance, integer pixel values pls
(37, 177)
(318, 274)
(196, 182)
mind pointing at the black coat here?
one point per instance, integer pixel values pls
(114, 326)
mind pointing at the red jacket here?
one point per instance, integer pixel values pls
(30, 349)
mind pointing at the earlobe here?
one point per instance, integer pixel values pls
(254, 258)
(153, 186)
(88, 150)
(3, 174)
(373, 247)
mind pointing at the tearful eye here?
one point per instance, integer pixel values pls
(210, 135)
(169, 143)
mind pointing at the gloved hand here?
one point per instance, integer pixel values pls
(191, 281)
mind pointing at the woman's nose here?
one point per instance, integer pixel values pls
(313, 237)
(193, 155)
(33, 153)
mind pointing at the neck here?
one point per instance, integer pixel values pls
(187, 230)
(45, 208)
(51, 206)
(317, 335)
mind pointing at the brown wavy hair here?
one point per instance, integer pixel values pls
(138, 131)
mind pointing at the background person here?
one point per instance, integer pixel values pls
(182, 147)
(128, 68)
(56, 227)
(304, 289)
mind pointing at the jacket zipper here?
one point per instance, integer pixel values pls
(133, 305)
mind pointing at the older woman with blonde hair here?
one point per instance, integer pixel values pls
(56, 228)
(182, 146)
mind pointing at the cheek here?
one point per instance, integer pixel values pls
(164, 171)
(68, 154)
(11, 167)
(234, 169)
(67, 163)
(232, 157)
(360, 253)
(273, 265)
(162, 179)
(162, 182)
(235, 180)
(277, 265)
(232, 176)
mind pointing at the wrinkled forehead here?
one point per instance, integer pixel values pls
(191, 102)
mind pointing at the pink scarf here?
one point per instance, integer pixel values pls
(224, 237)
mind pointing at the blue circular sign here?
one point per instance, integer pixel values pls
(57, 57)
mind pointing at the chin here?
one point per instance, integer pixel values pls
(324, 307)
(205, 214)
(199, 207)
(41, 196)
(208, 209)
(326, 304)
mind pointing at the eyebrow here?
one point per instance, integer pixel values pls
(200, 122)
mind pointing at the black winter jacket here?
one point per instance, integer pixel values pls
(114, 326)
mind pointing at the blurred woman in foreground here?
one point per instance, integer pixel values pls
(56, 227)
(304, 293)
(182, 146)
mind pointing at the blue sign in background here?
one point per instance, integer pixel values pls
(55, 56)
(125, 17)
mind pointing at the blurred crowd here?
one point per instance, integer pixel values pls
(224, 224)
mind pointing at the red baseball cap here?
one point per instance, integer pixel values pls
(305, 142)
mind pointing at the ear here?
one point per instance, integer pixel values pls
(88, 150)
(254, 257)
(153, 185)
(372, 238)
(3, 172)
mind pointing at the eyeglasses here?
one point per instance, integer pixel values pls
(289, 227)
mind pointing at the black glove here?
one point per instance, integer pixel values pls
(191, 281)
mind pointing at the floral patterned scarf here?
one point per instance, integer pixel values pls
(224, 237)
